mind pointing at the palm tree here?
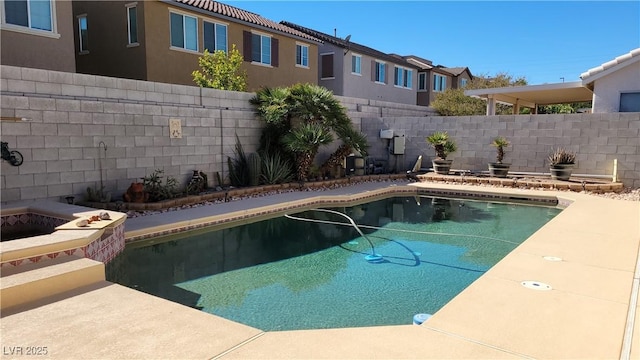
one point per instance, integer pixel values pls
(287, 109)
(352, 140)
(304, 141)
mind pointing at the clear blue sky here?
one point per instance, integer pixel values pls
(541, 40)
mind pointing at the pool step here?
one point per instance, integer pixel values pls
(32, 282)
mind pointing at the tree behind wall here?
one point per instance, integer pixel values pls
(221, 71)
(453, 102)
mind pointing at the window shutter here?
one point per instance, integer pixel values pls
(274, 52)
(386, 73)
(327, 66)
(373, 70)
(246, 46)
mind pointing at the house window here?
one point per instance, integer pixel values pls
(380, 75)
(184, 32)
(356, 67)
(215, 37)
(630, 102)
(132, 23)
(302, 55)
(83, 35)
(326, 61)
(422, 81)
(33, 14)
(261, 49)
(402, 77)
(439, 82)
(463, 82)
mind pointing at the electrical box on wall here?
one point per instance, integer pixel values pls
(386, 134)
(398, 145)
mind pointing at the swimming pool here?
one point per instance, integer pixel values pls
(286, 274)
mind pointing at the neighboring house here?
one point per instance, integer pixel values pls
(353, 70)
(611, 87)
(460, 76)
(433, 79)
(615, 84)
(37, 34)
(161, 40)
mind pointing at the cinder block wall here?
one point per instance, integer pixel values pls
(597, 139)
(68, 116)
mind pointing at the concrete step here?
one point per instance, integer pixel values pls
(32, 282)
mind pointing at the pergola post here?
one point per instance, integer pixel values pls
(491, 105)
(516, 107)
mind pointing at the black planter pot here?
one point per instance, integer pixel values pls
(442, 167)
(499, 170)
(561, 171)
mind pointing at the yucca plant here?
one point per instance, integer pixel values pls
(561, 156)
(238, 166)
(500, 143)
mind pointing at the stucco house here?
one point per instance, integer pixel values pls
(354, 70)
(161, 40)
(615, 84)
(611, 87)
(37, 35)
(433, 79)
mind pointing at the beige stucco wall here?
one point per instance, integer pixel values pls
(606, 91)
(42, 52)
(109, 53)
(175, 66)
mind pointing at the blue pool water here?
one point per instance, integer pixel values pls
(284, 274)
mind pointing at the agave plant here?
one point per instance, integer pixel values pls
(500, 143)
(441, 143)
(275, 169)
(560, 156)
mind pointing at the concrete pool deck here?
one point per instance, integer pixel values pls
(591, 312)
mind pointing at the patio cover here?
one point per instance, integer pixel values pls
(532, 95)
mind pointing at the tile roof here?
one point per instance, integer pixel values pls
(618, 62)
(361, 49)
(242, 15)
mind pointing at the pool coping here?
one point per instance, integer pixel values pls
(65, 239)
(260, 212)
(580, 318)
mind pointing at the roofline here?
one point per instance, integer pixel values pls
(420, 63)
(342, 43)
(525, 88)
(588, 79)
(238, 21)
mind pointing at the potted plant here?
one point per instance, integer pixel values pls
(561, 163)
(498, 168)
(443, 146)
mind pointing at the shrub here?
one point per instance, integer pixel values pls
(561, 156)
(158, 190)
